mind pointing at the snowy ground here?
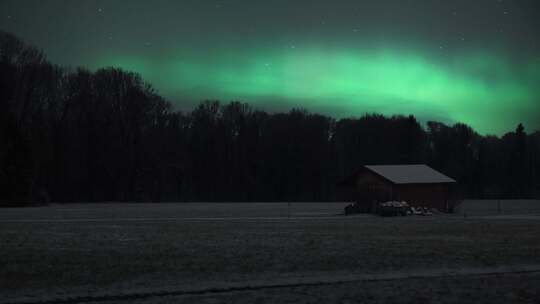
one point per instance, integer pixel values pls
(211, 253)
(499, 207)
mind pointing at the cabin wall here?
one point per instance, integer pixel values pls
(370, 189)
(425, 195)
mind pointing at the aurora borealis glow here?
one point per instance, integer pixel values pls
(482, 90)
(484, 74)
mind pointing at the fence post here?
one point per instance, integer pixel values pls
(499, 206)
(288, 211)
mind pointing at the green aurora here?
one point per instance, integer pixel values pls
(485, 90)
(475, 62)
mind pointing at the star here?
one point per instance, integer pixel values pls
(100, 10)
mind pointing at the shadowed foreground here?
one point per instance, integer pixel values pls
(521, 288)
(61, 252)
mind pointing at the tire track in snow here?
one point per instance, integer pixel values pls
(283, 283)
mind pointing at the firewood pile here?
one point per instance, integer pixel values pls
(396, 208)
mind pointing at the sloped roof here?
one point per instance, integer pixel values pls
(410, 174)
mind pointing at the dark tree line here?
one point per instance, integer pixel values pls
(75, 135)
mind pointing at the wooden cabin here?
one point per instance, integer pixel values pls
(418, 185)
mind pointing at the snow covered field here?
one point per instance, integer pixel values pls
(263, 252)
(490, 207)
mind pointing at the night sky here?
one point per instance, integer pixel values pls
(476, 62)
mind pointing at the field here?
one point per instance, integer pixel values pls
(264, 253)
(504, 207)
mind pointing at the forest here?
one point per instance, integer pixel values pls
(75, 135)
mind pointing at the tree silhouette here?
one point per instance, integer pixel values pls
(76, 135)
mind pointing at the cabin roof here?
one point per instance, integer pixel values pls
(410, 174)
